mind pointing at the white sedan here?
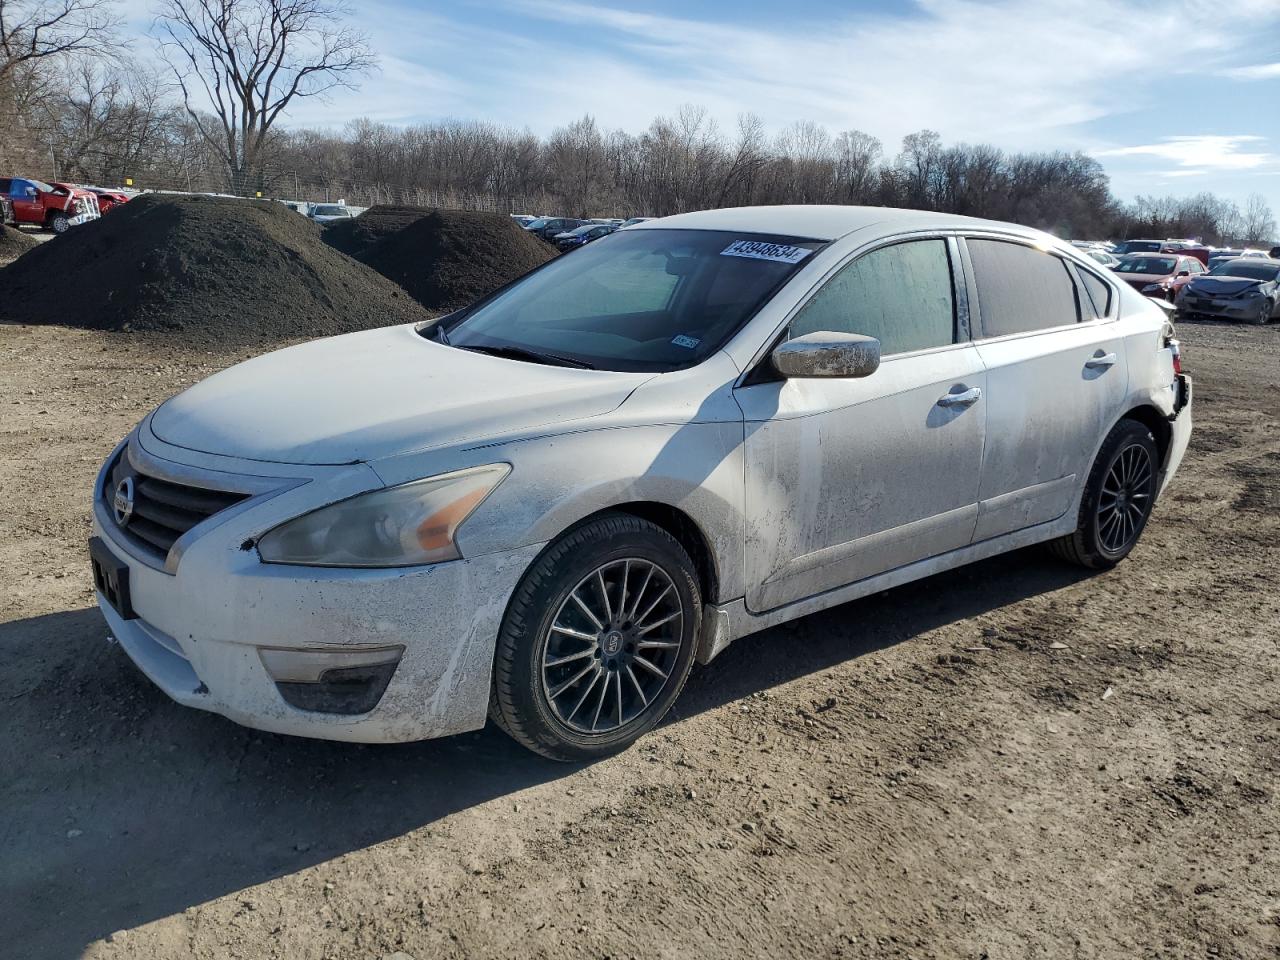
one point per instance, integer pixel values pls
(546, 507)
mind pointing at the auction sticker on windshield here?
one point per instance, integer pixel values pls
(759, 250)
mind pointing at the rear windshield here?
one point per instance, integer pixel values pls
(330, 211)
(637, 300)
(1247, 269)
(1155, 265)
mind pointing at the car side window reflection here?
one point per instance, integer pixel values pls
(900, 294)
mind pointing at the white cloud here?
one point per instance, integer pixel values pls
(1258, 71)
(1200, 152)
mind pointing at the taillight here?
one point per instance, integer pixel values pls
(1173, 346)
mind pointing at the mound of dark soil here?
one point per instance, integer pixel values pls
(14, 243)
(216, 270)
(443, 258)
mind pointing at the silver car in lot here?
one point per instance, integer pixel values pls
(546, 507)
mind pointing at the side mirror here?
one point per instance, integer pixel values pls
(31, 191)
(827, 354)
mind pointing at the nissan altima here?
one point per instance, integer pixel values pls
(545, 508)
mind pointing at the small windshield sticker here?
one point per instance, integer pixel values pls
(682, 341)
(759, 250)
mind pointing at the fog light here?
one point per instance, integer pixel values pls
(345, 681)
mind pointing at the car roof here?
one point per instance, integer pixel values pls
(823, 221)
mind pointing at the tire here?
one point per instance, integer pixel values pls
(1110, 525)
(1264, 314)
(59, 223)
(548, 638)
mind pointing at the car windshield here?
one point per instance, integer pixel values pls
(538, 224)
(644, 300)
(1153, 265)
(1247, 269)
(330, 210)
(41, 186)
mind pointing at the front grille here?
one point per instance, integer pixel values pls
(164, 510)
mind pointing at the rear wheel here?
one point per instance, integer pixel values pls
(598, 640)
(1118, 499)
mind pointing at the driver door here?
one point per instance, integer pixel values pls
(849, 478)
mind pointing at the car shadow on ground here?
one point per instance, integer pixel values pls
(121, 807)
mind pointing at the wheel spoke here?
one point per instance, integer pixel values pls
(622, 603)
(561, 688)
(641, 661)
(585, 693)
(617, 676)
(640, 594)
(658, 623)
(658, 645)
(644, 701)
(576, 634)
(604, 594)
(604, 693)
(653, 606)
(587, 610)
(561, 661)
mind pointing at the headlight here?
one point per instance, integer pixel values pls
(402, 526)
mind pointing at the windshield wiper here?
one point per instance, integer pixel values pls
(533, 356)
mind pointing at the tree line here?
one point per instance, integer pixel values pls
(75, 106)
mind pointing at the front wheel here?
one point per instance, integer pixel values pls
(59, 223)
(597, 641)
(1263, 315)
(1118, 499)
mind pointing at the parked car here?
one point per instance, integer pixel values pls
(107, 199)
(523, 219)
(1138, 246)
(546, 506)
(1158, 275)
(56, 207)
(583, 235)
(1101, 256)
(1219, 257)
(633, 221)
(548, 227)
(1200, 253)
(1245, 289)
(328, 212)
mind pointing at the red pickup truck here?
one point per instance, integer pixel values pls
(57, 207)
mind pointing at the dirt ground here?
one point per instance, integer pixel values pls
(1014, 760)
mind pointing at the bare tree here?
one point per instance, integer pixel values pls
(247, 60)
(1258, 224)
(34, 30)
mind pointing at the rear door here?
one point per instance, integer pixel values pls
(848, 478)
(1056, 376)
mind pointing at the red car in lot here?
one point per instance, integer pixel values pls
(1159, 275)
(108, 199)
(54, 206)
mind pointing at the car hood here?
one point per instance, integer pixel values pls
(1223, 286)
(1142, 279)
(372, 395)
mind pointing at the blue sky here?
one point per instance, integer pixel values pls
(1176, 96)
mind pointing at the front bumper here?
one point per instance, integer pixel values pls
(213, 629)
(1235, 308)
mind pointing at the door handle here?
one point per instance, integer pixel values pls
(1102, 362)
(965, 399)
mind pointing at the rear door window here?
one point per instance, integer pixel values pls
(1099, 292)
(901, 294)
(1021, 289)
